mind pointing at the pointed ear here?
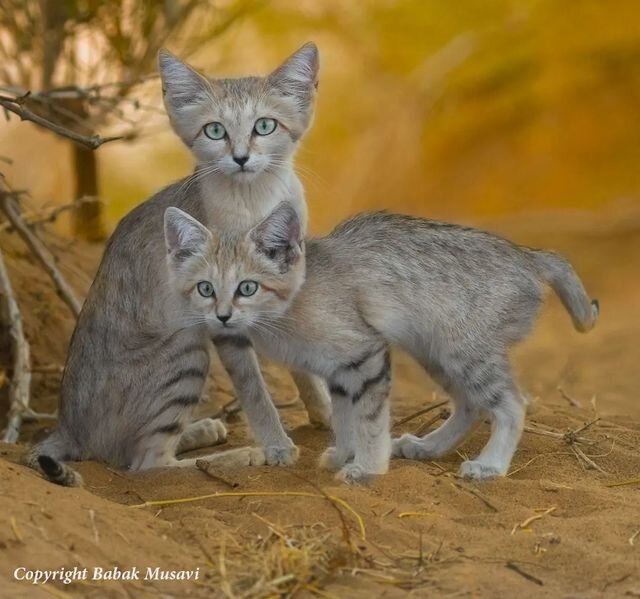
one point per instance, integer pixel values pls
(183, 90)
(184, 236)
(279, 236)
(298, 75)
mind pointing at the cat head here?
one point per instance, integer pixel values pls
(235, 282)
(242, 127)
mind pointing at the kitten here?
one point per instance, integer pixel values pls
(137, 363)
(454, 298)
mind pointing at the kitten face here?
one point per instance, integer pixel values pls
(235, 283)
(229, 123)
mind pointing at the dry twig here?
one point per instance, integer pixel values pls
(19, 389)
(8, 205)
(49, 215)
(420, 412)
(16, 106)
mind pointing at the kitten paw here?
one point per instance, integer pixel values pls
(353, 474)
(213, 430)
(412, 448)
(281, 456)
(320, 419)
(330, 460)
(476, 470)
(233, 459)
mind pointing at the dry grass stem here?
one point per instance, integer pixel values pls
(420, 412)
(523, 525)
(337, 500)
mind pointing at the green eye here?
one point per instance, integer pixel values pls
(247, 288)
(265, 126)
(205, 289)
(214, 130)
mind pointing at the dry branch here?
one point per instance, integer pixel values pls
(8, 205)
(15, 105)
(19, 389)
(45, 216)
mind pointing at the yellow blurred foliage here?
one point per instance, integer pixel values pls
(459, 110)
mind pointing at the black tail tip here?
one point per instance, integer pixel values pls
(49, 466)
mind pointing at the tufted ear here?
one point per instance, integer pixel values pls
(298, 75)
(184, 235)
(183, 91)
(279, 236)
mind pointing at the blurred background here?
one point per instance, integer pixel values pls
(471, 111)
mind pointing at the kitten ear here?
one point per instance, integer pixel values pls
(298, 75)
(279, 236)
(183, 90)
(184, 236)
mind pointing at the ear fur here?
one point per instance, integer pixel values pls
(298, 76)
(184, 235)
(279, 236)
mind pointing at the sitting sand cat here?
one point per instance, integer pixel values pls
(136, 365)
(455, 298)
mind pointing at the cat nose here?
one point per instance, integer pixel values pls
(223, 318)
(241, 160)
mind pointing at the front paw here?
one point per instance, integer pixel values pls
(281, 456)
(320, 419)
(353, 474)
(476, 470)
(214, 432)
(331, 460)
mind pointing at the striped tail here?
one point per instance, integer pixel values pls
(48, 458)
(58, 472)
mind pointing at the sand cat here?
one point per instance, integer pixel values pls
(137, 363)
(454, 298)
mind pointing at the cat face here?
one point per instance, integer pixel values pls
(241, 127)
(233, 283)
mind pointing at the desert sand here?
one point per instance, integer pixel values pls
(565, 522)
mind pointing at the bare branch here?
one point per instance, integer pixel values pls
(42, 217)
(19, 389)
(8, 206)
(15, 105)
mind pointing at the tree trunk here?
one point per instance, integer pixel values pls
(87, 219)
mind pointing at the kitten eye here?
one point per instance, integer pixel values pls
(265, 126)
(205, 289)
(214, 130)
(247, 288)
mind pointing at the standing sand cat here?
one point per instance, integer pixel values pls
(455, 298)
(136, 364)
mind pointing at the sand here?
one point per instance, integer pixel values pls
(557, 526)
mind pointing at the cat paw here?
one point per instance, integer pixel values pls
(320, 419)
(233, 459)
(353, 474)
(330, 460)
(476, 470)
(213, 430)
(281, 456)
(411, 448)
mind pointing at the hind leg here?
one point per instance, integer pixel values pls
(202, 433)
(444, 439)
(315, 397)
(158, 453)
(507, 421)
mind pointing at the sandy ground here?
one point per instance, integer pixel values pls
(562, 524)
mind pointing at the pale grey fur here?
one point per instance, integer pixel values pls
(137, 362)
(454, 298)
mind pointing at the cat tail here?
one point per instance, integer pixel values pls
(558, 272)
(48, 458)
